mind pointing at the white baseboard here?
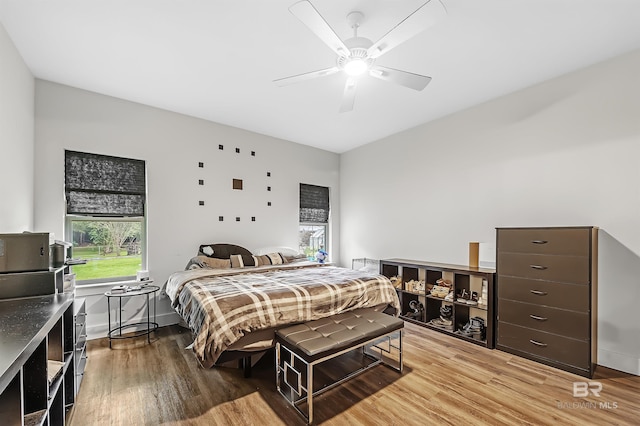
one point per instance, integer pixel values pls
(618, 361)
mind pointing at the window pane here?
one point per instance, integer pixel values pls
(311, 239)
(112, 248)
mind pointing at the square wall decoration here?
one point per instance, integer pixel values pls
(214, 176)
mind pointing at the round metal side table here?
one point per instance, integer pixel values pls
(142, 327)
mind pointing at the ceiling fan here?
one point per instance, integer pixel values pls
(357, 55)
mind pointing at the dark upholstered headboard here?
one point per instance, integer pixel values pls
(221, 250)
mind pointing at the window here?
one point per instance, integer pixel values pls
(314, 219)
(105, 217)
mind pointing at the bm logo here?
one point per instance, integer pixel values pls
(582, 389)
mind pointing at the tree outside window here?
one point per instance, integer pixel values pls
(111, 248)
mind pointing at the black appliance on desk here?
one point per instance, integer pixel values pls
(26, 268)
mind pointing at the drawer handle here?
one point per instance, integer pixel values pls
(544, 345)
(539, 293)
(539, 267)
(539, 241)
(535, 317)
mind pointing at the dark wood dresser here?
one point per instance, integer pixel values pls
(547, 295)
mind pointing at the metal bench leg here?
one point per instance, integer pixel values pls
(310, 391)
(278, 367)
(401, 332)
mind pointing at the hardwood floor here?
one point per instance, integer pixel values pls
(445, 381)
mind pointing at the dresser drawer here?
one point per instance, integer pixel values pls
(545, 345)
(551, 320)
(561, 241)
(574, 297)
(567, 269)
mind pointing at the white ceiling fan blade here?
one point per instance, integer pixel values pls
(349, 96)
(306, 76)
(422, 18)
(307, 13)
(403, 78)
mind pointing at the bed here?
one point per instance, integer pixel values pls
(233, 300)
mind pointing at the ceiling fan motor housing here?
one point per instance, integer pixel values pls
(358, 47)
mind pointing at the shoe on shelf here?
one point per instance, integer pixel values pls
(446, 311)
(416, 310)
(474, 329)
(415, 286)
(444, 283)
(473, 300)
(440, 291)
(478, 321)
(443, 323)
(463, 296)
(449, 297)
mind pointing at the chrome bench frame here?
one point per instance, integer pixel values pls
(297, 393)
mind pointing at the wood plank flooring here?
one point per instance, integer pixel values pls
(446, 381)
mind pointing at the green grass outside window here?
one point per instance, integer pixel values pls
(100, 265)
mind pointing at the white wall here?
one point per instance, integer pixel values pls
(16, 139)
(565, 152)
(172, 146)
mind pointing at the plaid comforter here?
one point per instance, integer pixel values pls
(221, 306)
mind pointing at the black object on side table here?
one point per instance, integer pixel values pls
(143, 327)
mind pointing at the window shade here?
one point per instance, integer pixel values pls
(314, 204)
(101, 185)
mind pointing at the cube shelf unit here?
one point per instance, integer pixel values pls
(37, 368)
(462, 277)
(80, 341)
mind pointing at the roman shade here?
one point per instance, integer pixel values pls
(101, 185)
(314, 204)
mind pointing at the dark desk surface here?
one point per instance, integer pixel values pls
(24, 323)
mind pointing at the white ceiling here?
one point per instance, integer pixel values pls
(216, 59)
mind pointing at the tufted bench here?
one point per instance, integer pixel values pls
(300, 347)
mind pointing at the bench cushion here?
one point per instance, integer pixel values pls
(316, 339)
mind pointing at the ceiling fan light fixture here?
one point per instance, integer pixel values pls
(357, 55)
(355, 67)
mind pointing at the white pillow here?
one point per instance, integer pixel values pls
(285, 251)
